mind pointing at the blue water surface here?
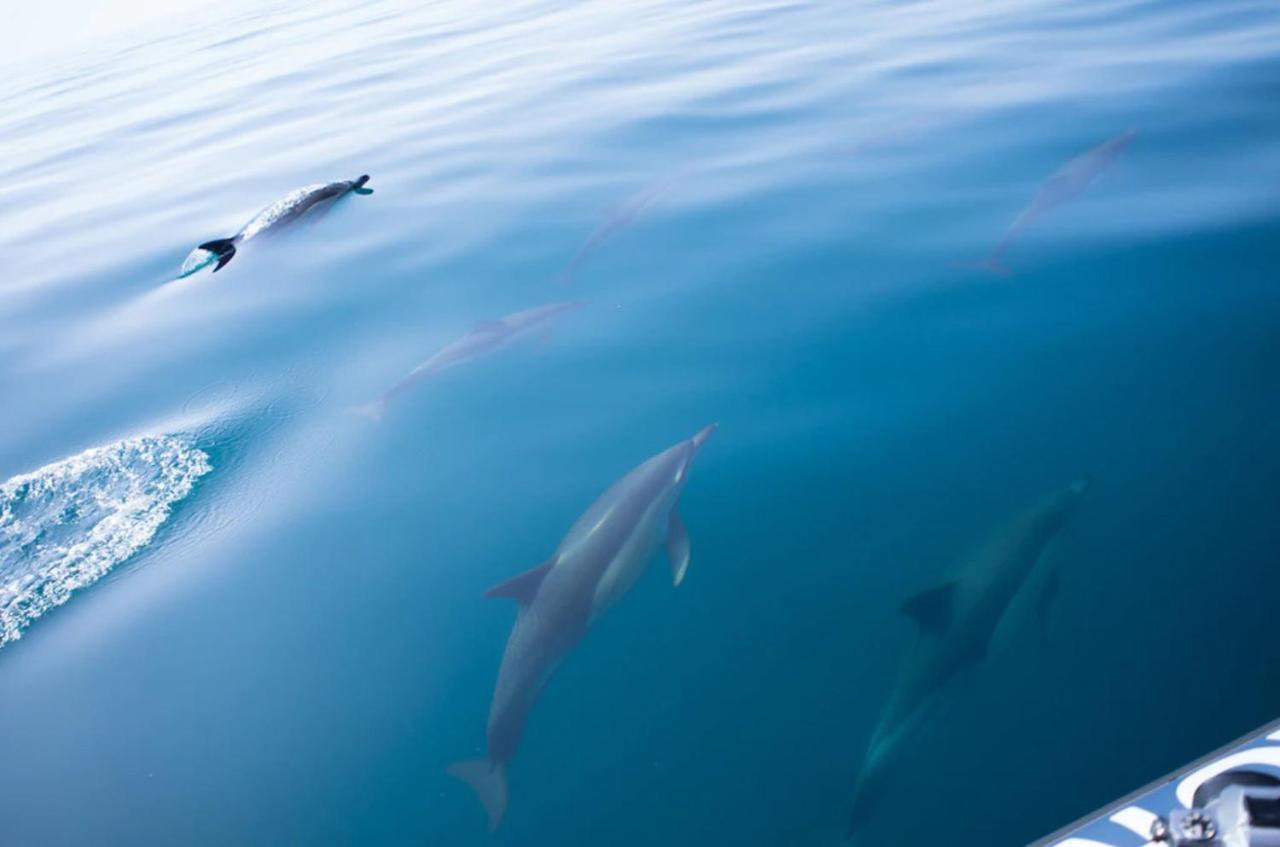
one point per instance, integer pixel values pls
(782, 196)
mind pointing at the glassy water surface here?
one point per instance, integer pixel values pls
(925, 263)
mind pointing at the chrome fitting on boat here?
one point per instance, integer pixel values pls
(1243, 811)
(1193, 826)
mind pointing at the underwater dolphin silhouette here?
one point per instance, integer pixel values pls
(597, 562)
(284, 211)
(612, 222)
(485, 337)
(957, 620)
(1066, 183)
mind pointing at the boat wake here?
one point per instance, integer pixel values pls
(66, 525)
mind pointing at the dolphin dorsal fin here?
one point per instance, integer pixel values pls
(932, 609)
(522, 587)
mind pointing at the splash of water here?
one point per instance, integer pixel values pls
(197, 260)
(66, 525)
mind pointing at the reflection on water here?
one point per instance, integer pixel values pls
(789, 189)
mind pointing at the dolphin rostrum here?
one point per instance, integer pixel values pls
(485, 337)
(597, 562)
(957, 620)
(1066, 183)
(284, 211)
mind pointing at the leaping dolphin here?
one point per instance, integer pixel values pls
(957, 620)
(597, 562)
(1066, 183)
(485, 338)
(284, 211)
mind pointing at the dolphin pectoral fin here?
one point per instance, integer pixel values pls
(522, 587)
(677, 547)
(362, 190)
(489, 782)
(932, 609)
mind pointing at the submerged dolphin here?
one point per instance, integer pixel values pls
(485, 337)
(617, 219)
(287, 209)
(1066, 183)
(600, 558)
(957, 620)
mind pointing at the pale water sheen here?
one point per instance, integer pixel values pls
(764, 206)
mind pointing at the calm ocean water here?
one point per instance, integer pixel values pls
(234, 612)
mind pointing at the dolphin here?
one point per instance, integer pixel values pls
(284, 211)
(1066, 183)
(597, 562)
(957, 620)
(485, 338)
(614, 221)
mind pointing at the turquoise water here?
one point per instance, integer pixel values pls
(250, 616)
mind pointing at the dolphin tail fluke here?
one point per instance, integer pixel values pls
(489, 781)
(991, 265)
(225, 248)
(374, 411)
(357, 185)
(858, 816)
(867, 791)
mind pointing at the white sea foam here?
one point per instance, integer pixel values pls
(66, 525)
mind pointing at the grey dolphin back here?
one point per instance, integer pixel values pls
(225, 248)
